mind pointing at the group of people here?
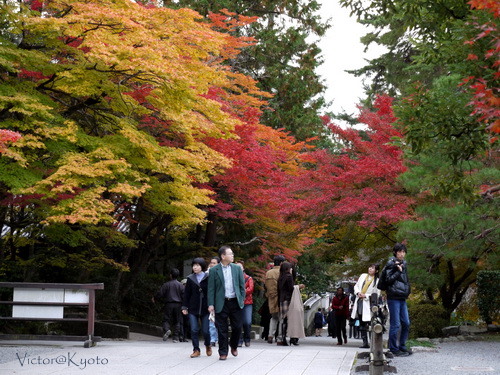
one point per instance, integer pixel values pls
(221, 295)
(367, 291)
(210, 297)
(284, 303)
(339, 313)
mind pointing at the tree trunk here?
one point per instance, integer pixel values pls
(211, 230)
(141, 258)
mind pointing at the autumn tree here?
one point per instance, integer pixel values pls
(110, 100)
(253, 194)
(442, 61)
(284, 60)
(356, 191)
(429, 45)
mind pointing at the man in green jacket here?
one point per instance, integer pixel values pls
(226, 297)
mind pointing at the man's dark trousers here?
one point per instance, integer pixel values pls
(232, 311)
(172, 318)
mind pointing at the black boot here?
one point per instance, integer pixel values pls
(284, 328)
(356, 332)
(364, 336)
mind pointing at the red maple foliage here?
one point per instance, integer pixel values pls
(31, 75)
(492, 6)
(35, 5)
(255, 190)
(7, 136)
(359, 183)
(486, 100)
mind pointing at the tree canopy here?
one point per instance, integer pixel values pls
(135, 135)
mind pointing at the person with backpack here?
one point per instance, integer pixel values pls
(248, 308)
(394, 280)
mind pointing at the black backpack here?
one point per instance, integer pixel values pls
(382, 281)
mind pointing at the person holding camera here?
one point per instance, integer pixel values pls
(394, 280)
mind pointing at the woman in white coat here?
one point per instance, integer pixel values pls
(364, 288)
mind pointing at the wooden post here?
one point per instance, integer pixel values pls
(91, 319)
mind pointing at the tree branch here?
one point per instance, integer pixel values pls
(255, 239)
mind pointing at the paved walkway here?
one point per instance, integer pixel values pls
(146, 355)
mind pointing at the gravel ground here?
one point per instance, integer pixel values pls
(449, 358)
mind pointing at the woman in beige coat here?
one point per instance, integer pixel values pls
(296, 316)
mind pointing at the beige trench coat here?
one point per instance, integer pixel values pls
(272, 289)
(296, 315)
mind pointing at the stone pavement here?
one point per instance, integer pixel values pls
(150, 355)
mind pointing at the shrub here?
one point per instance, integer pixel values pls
(467, 313)
(488, 300)
(427, 319)
(138, 306)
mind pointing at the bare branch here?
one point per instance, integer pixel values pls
(255, 239)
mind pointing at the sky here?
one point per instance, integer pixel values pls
(342, 51)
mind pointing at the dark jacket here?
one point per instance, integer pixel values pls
(195, 295)
(398, 285)
(171, 292)
(318, 319)
(285, 288)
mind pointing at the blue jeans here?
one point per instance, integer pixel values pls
(399, 319)
(195, 330)
(247, 323)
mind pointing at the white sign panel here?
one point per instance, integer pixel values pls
(76, 295)
(38, 295)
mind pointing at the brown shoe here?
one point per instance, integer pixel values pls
(209, 350)
(195, 354)
(222, 357)
(234, 352)
(270, 339)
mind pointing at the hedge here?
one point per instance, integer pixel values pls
(488, 292)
